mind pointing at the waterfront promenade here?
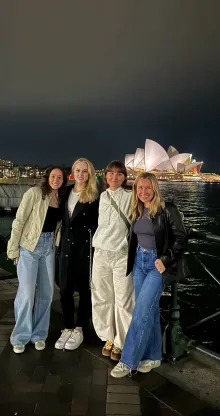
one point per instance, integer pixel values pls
(59, 383)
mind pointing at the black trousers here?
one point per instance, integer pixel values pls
(76, 282)
(68, 308)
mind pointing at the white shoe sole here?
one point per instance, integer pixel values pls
(58, 347)
(118, 375)
(147, 369)
(18, 352)
(40, 349)
(72, 348)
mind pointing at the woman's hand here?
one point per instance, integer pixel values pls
(15, 261)
(160, 266)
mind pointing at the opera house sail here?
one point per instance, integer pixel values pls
(139, 162)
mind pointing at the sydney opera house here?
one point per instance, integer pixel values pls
(154, 158)
(168, 164)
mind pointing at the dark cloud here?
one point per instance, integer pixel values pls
(96, 78)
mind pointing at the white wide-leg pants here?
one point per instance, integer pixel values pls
(112, 296)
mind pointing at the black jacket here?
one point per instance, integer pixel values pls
(75, 251)
(171, 239)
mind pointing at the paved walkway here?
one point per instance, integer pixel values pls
(58, 383)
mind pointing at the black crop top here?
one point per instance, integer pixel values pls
(52, 217)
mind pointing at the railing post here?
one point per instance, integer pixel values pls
(175, 343)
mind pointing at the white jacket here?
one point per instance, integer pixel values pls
(112, 233)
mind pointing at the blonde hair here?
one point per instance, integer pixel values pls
(137, 206)
(90, 191)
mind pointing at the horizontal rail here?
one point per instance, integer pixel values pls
(193, 233)
(202, 321)
(205, 351)
(204, 267)
(202, 253)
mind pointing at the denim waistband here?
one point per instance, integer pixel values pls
(146, 250)
(47, 234)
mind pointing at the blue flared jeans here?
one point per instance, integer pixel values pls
(32, 304)
(144, 339)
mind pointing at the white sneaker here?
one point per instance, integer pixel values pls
(147, 365)
(120, 370)
(65, 334)
(18, 349)
(39, 345)
(74, 341)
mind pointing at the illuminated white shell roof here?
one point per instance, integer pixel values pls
(154, 155)
(164, 166)
(180, 167)
(129, 161)
(172, 151)
(180, 158)
(192, 165)
(139, 162)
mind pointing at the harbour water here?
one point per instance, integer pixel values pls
(200, 298)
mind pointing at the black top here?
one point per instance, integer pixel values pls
(52, 217)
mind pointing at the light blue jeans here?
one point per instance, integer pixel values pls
(144, 339)
(35, 292)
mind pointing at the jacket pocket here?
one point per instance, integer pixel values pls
(31, 234)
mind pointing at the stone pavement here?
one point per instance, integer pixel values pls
(58, 383)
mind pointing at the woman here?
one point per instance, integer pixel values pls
(79, 222)
(112, 290)
(157, 242)
(31, 246)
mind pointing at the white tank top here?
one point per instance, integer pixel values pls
(72, 201)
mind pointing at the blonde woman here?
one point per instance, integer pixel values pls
(79, 222)
(112, 290)
(157, 242)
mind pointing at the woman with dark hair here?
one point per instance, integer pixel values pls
(31, 246)
(79, 223)
(112, 290)
(156, 246)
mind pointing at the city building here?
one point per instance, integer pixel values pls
(6, 168)
(9, 170)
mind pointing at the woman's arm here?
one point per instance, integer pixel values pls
(22, 215)
(176, 233)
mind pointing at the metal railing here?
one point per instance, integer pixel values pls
(175, 342)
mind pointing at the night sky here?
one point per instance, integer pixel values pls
(96, 78)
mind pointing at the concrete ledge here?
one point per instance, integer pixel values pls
(198, 374)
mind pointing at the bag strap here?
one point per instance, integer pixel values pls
(122, 215)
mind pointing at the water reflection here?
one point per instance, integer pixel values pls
(198, 201)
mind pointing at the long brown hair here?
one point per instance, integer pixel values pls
(90, 191)
(137, 206)
(45, 187)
